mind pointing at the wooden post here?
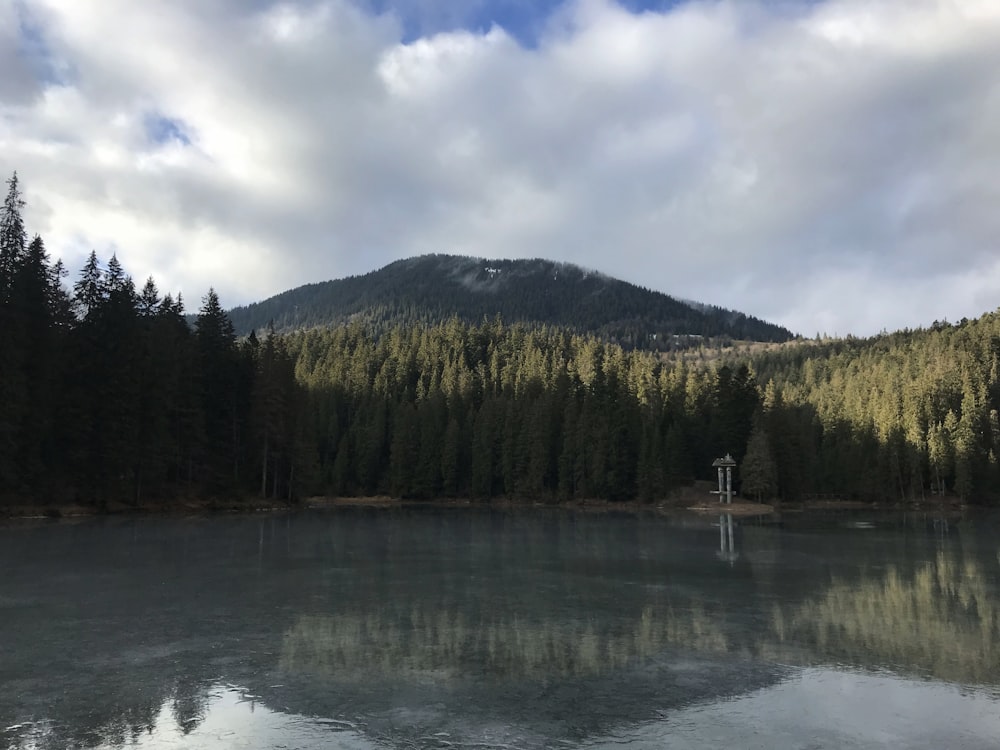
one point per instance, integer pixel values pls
(726, 480)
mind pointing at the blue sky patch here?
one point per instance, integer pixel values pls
(523, 19)
(33, 48)
(163, 130)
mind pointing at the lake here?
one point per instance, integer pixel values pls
(479, 628)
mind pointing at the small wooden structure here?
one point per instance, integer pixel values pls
(725, 478)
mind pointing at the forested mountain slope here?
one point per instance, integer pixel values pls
(506, 410)
(433, 288)
(899, 415)
(109, 396)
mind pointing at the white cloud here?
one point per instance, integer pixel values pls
(828, 166)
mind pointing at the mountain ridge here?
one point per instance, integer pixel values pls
(434, 288)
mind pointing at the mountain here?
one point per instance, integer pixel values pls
(434, 288)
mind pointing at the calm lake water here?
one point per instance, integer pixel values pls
(451, 628)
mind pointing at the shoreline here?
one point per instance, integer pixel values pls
(684, 501)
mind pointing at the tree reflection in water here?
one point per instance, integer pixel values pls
(941, 620)
(568, 625)
(447, 644)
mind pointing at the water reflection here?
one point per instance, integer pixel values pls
(727, 541)
(418, 628)
(448, 645)
(941, 619)
(823, 708)
(227, 718)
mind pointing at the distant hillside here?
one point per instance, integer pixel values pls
(434, 288)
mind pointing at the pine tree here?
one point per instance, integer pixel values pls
(965, 448)
(149, 299)
(12, 336)
(88, 291)
(218, 370)
(451, 458)
(36, 307)
(13, 237)
(758, 475)
(116, 280)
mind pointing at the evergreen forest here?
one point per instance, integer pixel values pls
(110, 395)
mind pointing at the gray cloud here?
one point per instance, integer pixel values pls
(21, 57)
(831, 167)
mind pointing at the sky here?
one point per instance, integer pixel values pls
(829, 165)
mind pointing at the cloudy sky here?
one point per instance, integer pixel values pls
(831, 165)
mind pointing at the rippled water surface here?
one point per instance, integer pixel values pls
(451, 628)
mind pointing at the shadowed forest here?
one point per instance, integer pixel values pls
(109, 395)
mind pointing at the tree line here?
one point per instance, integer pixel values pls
(110, 395)
(493, 410)
(898, 416)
